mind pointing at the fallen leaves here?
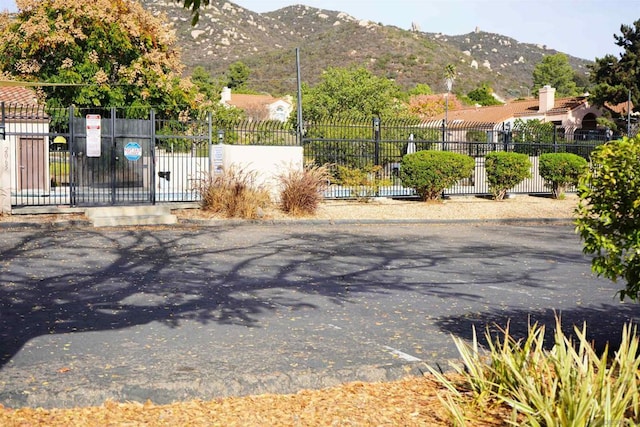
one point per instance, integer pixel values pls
(409, 402)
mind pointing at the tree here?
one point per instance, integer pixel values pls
(352, 93)
(420, 89)
(450, 72)
(238, 75)
(483, 95)
(555, 71)
(206, 84)
(428, 106)
(614, 79)
(609, 213)
(116, 52)
(209, 90)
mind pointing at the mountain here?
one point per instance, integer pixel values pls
(266, 42)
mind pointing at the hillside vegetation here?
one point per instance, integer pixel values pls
(266, 42)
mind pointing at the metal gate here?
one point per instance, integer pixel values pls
(112, 160)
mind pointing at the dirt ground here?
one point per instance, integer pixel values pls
(414, 401)
(458, 208)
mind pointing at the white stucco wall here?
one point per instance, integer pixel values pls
(266, 161)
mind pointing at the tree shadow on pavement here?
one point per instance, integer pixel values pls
(604, 323)
(68, 281)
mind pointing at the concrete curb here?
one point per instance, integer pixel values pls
(59, 225)
(276, 222)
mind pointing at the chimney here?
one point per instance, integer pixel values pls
(225, 96)
(547, 98)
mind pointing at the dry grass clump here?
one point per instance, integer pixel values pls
(233, 193)
(301, 189)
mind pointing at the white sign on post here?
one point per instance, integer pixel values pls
(93, 135)
(218, 155)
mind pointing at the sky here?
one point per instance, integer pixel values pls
(582, 28)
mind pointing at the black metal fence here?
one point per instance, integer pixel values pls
(147, 158)
(376, 149)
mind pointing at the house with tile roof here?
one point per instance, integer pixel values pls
(572, 116)
(258, 107)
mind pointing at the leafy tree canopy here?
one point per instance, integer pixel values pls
(209, 89)
(207, 85)
(613, 77)
(238, 75)
(420, 89)
(556, 71)
(114, 50)
(352, 93)
(483, 95)
(428, 106)
(609, 212)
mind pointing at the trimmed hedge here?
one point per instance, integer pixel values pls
(430, 172)
(561, 170)
(506, 170)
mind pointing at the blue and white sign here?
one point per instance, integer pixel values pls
(132, 151)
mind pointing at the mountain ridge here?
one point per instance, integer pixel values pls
(266, 42)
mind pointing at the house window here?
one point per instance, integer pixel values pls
(280, 114)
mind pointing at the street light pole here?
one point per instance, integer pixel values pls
(449, 83)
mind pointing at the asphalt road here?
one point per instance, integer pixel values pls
(199, 312)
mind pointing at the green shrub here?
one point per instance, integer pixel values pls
(233, 193)
(506, 170)
(561, 170)
(609, 212)
(567, 385)
(364, 182)
(301, 189)
(431, 172)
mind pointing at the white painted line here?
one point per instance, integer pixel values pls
(333, 326)
(402, 355)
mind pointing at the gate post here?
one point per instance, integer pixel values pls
(152, 153)
(376, 139)
(5, 167)
(73, 170)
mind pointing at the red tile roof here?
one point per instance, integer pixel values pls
(17, 95)
(500, 113)
(621, 108)
(242, 100)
